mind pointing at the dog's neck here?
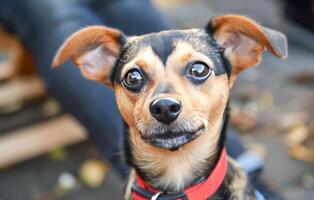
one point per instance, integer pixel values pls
(172, 171)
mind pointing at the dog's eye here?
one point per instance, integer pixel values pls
(199, 71)
(133, 80)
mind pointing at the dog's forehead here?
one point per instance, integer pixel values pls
(164, 43)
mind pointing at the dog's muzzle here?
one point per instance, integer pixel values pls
(172, 136)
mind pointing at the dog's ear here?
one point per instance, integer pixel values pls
(94, 50)
(244, 41)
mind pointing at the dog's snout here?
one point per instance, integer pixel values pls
(165, 110)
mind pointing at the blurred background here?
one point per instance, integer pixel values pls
(45, 153)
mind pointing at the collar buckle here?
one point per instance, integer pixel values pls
(155, 196)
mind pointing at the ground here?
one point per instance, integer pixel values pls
(274, 98)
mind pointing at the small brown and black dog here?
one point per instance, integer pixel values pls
(172, 90)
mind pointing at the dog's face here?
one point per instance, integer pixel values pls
(172, 86)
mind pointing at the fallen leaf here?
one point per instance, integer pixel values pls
(243, 121)
(66, 183)
(93, 172)
(296, 135)
(308, 181)
(58, 154)
(289, 120)
(304, 77)
(247, 93)
(258, 149)
(46, 196)
(51, 108)
(300, 152)
(266, 101)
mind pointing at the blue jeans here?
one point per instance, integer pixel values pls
(43, 25)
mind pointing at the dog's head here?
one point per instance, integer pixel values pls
(172, 86)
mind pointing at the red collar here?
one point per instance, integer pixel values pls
(201, 191)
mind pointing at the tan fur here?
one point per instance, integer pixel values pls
(146, 60)
(183, 54)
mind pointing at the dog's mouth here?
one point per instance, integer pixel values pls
(172, 138)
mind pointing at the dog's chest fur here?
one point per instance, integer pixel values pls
(176, 170)
(168, 170)
(234, 186)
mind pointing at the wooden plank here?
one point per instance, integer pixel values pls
(19, 90)
(161, 4)
(26, 143)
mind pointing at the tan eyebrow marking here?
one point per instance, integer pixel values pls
(143, 64)
(145, 59)
(186, 57)
(183, 53)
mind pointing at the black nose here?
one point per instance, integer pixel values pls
(165, 110)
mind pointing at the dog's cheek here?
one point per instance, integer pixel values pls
(141, 111)
(217, 100)
(125, 105)
(212, 97)
(191, 104)
(192, 97)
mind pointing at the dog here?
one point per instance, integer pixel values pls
(172, 89)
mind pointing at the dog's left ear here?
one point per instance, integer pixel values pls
(244, 41)
(94, 50)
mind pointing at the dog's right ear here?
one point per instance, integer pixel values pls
(94, 50)
(244, 41)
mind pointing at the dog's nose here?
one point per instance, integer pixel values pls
(165, 110)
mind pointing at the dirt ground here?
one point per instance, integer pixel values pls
(276, 99)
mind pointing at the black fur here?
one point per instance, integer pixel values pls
(164, 43)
